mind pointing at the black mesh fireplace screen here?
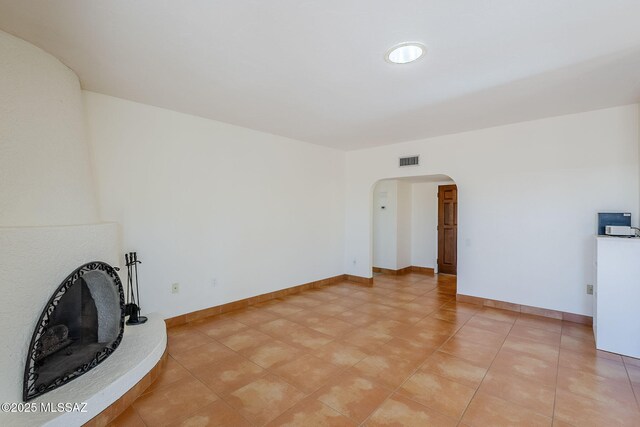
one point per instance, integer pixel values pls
(81, 325)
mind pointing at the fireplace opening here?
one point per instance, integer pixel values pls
(81, 325)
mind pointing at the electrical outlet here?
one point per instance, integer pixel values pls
(214, 282)
(175, 288)
(589, 289)
(355, 261)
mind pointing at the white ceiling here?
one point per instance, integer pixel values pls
(314, 70)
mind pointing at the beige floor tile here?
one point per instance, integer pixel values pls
(264, 399)
(308, 373)
(551, 325)
(424, 336)
(486, 410)
(533, 348)
(576, 330)
(245, 340)
(279, 327)
(172, 372)
(252, 316)
(480, 336)
(400, 411)
(306, 338)
(404, 316)
(356, 318)
(229, 374)
(353, 396)
(312, 412)
(529, 394)
(340, 353)
(333, 327)
(536, 334)
(421, 309)
(203, 355)
(453, 316)
(387, 326)
(462, 307)
(477, 353)
(584, 412)
(366, 339)
(272, 353)
(329, 309)
(631, 361)
(634, 374)
(441, 394)
(334, 356)
(186, 340)
(387, 370)
(569, 342)
(498, 314)
(283, 309)
(496, 326)
(595, 387)
(218, 414)
(173, 402)
(302, 301)
(411, 350)
(454, 368)
(593, 364)
(526, 366)
(219, 327)
(129, 418)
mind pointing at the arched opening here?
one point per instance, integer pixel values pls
(414, 227)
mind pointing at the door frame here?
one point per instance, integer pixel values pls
(440, 236)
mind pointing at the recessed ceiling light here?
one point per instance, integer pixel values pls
(404, 53)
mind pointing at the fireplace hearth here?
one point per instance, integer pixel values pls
(81, 325)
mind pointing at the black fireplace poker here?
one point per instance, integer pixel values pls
(132, 307)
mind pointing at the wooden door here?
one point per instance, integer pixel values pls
(447, 229)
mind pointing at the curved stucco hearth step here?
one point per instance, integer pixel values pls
(142, 348)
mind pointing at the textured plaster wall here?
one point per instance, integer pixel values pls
(528, 197)
(35, 260)
(49, 221)
(45, 174)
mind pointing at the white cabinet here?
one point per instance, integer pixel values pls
(616, 311)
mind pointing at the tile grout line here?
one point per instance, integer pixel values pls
(208, 388)
(393, 391)
(487, 371)
(381, 316)
(555, 389)
(633, 390)
(414, 371)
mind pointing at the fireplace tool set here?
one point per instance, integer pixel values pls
(132, 307)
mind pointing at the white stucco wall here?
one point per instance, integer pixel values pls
(35, 260)
(385, 224)
(45, 174)
(528, 195)
(49, 222)
(391, 231)
(404, 224)
(424, 223)
(224, 211)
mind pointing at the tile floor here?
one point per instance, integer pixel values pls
(402, 353)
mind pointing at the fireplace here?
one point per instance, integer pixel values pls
(81, 325)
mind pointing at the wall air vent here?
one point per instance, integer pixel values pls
(409, 161)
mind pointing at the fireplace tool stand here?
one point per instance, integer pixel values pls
(132, 307)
